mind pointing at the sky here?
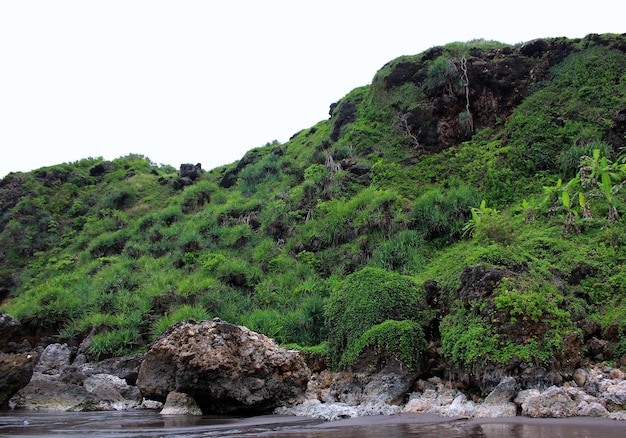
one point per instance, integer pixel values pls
(191, 81)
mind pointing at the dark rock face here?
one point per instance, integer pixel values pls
(16, 371)
(187, 175)
(224, 367)
(12, 337)
(191, 171)
(17, 362)
(342, 113)
(126, 367)
(497, 81)
(51, 178)
(478, 282)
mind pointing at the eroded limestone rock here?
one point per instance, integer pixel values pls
(226, 368)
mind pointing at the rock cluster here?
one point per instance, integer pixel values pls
(217, 367)
(58, 385)
(597, 392)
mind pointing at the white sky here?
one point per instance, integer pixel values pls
(193, 81)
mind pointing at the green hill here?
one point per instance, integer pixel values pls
(462, 212)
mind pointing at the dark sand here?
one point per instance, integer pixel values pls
(151, 424)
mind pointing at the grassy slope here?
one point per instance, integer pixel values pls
(123, 254)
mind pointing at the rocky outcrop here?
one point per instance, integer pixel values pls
(494, 83)
(16, 370)
(187, 175)
(389, 386)
(224, 367)
(600, 392)
(100, 392)
(59, 385)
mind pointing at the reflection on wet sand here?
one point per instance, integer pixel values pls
(151, 424)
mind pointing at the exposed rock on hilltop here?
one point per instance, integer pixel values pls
(464, 92)
(224, 367)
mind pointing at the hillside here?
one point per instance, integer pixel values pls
(464, 213)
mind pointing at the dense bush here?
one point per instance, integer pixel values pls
(364, 299)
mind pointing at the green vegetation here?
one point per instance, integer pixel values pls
(353, 236)
(365, 299)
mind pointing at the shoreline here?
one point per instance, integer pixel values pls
(150, 423)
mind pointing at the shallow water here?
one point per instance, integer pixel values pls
(151, 424)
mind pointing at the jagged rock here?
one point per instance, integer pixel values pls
(388, 386)
(593, 409)
(498, 403)
(461, 407)
(336, 411)
(525, 394)
(440, 400)
(53, 359)
(614, 396)
(101, 392)
(178, 403)
(503, 392)
(126, 367)
(501, 410)
(48, 393)
(113, 391)
(16, 370)
(193, 172)
(224, 367)
(555, 402)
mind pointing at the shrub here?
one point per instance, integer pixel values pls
(269, 322)
(109, 244)
(403, 340)
(195, 197)
(120, 198)
(366, 298)
(403, 254)
(442, 215)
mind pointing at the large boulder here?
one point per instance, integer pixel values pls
(16, 370)
(226, 368)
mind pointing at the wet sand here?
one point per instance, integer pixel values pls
(427, 426)
(151, 424)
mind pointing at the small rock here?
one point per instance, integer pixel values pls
(580, 377)
(179, 403)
